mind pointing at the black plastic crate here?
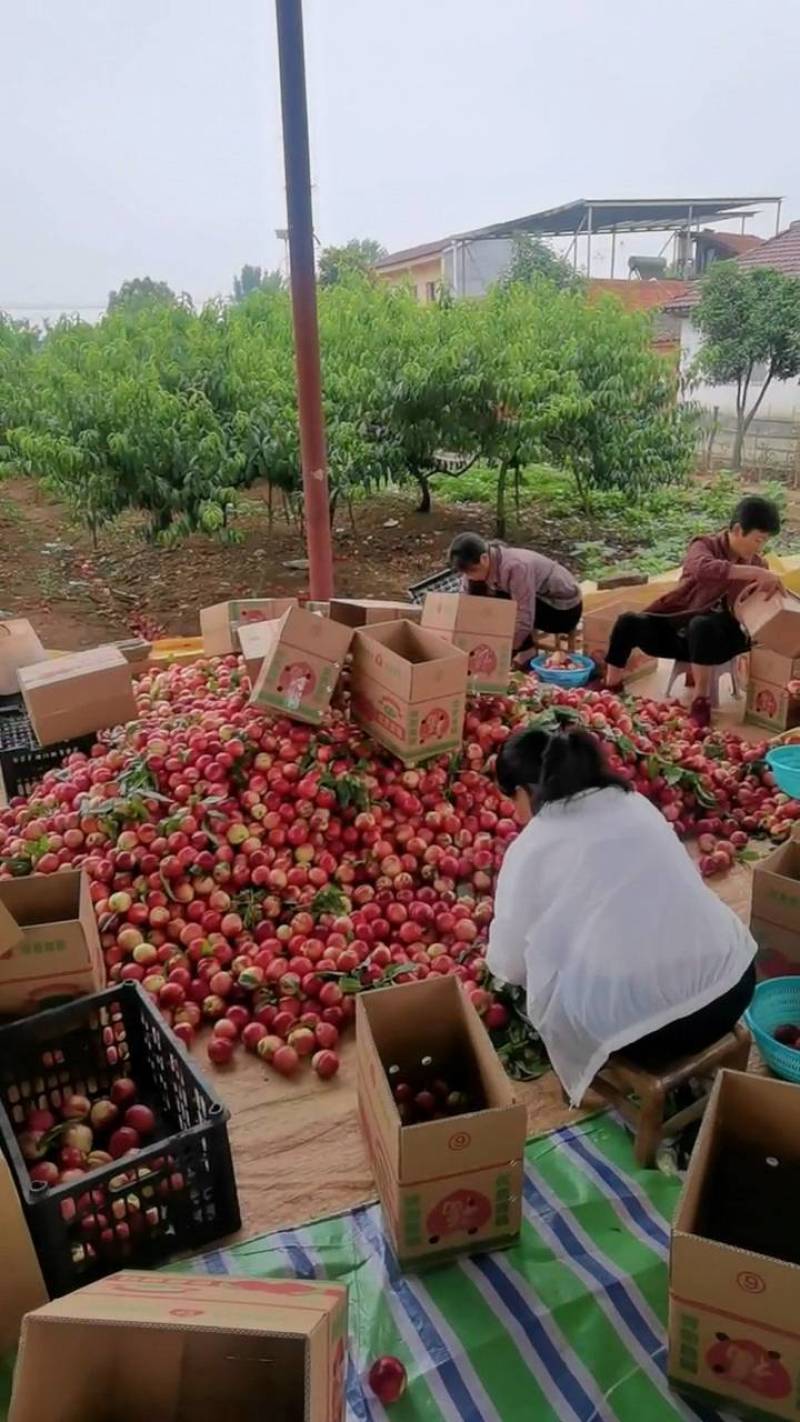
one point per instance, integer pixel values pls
(23, 761)
(176, 1194)
(444, 582)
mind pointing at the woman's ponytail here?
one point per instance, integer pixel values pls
(573, 762)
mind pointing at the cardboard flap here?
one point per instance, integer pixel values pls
(10, 931)
(772, 621)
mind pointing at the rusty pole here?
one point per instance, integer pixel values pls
(289, 15)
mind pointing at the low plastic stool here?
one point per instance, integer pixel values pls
(683, 669)
(622, 1078)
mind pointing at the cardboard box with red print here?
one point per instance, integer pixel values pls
(301, 665)
(220, 623)
(169, 1346)
(49, 944)
(772, 690)
(483, 627)
(775, 910)
(408, 689)
(451, 1184)
(734, 1279)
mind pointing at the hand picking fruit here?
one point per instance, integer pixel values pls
(601, 916)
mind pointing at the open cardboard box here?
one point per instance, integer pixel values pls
(185, 1348)
(79, 693)
(772, 622)
(734, 1310)
(302, 665)
(21, 1283)
(450, 1185)
(408, 689)
(49, 945)
(220, 623)
(483, 627)
(361, 611)
(775, 910)
(254, 640)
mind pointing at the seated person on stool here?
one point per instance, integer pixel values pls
(603, 919)
(694, 622)
(547, 596)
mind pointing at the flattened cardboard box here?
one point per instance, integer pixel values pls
(74, 695)
(220, 623)
(449, 1185)
(163, 1347)
(303, 664)
(361, 612)
(599, 624)
(775, 910)
(408, 689)
(22, 1287)
(483, 627)
(734, 1315)
(772, 622)
(49, 945)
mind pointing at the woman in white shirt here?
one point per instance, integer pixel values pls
(602, 917)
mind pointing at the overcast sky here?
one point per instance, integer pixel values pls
(143, 136)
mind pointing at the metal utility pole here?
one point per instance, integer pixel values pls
(302, 276)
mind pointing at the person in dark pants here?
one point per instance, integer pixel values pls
(548, 597)
(694, 622)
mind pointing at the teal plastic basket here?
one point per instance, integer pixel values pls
(577, 676)
(784, 762)
(775, 1002)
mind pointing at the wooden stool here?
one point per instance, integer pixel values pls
(681, 669)
(620, 1078)
(555, 641)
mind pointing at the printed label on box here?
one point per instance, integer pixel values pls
(752, 1366)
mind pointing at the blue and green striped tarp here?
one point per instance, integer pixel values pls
(569, 1324)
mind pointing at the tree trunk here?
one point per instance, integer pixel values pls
(500, 506)
(738, 443)
(424, 505)
(517, 514)
(270, 508)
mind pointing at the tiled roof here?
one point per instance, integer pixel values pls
(412, 254)
(782, 253)
(637, 295)
(737, 243)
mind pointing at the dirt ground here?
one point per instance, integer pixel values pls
(77, 596)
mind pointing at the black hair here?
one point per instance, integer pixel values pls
(466, 550)
(554, 767)
(756, 514)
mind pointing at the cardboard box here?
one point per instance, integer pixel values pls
(772, 622)
(49, 945)
(19, 647)
(23, 1286)
(169, 650)
(305, 658)
(362, 611)
(77, 694)
(483, 627)
(254, 640)
(168, 1347)
(408, 689)
(733, 1310)
(775, 910)
(769, 703)
(598, 625)
(219, 624)
(448, 1185)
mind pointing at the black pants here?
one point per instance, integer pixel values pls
(699, 1030)
(547, 618)
(707, 640)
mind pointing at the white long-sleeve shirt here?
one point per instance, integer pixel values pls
(602, 917)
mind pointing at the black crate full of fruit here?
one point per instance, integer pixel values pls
(119, 1149)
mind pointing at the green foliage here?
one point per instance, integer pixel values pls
(171, 411)
(252, 279)
(749, 318)
(139, 292)
(532, 258)
(355, 257)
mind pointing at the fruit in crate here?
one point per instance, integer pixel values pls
(79, 1135)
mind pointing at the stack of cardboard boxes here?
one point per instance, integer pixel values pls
(774, 627)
